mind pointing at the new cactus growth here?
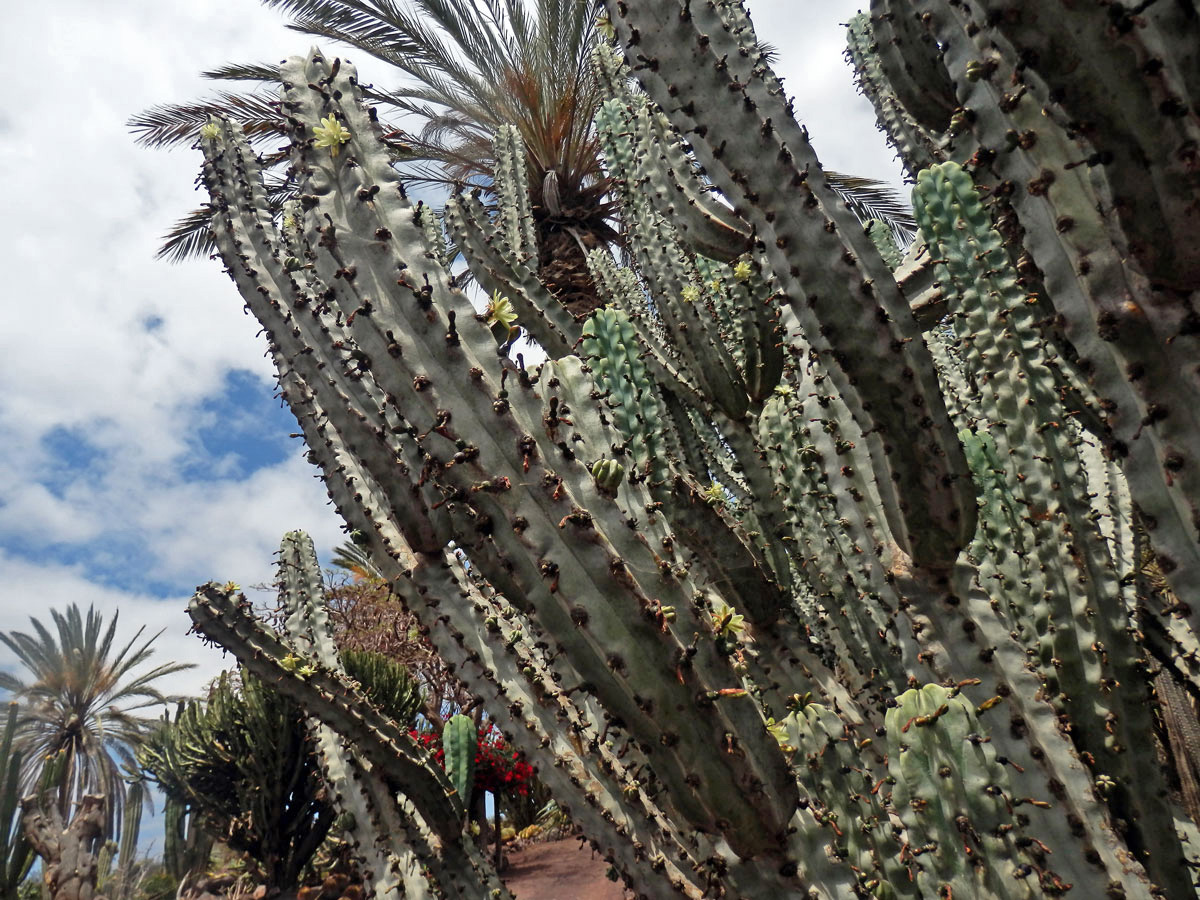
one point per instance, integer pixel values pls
(461, 743)
(809, 566)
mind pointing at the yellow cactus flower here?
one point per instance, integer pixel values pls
(742, 271)
(500, 311)
(781, 731)
(211, 130)
(714, 494)
(691, 293)
(331, 134)
(727, 622)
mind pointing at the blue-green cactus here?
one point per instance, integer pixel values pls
(460, 741)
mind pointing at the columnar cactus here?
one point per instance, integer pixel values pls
(119, 885)
(122, 885)
(1083, 121)
(461, 742)
(815, 573)
(16, 855)
(186, 845)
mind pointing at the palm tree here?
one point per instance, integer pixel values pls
(82, 696)
(472, 66)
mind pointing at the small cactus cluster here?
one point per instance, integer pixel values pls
(811, 566)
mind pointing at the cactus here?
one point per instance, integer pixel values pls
(72, 845)
(238, 767)
(1107, 243)
(187, 846)
(123, 883)
(812, 566)
(461, 742)
(411, 841)
(17, 850)
(70, 849)
(120, 885)
(953, 795)
(16, 856)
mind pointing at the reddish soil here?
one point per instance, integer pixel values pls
(560, 870)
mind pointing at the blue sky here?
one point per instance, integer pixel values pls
(143, 451)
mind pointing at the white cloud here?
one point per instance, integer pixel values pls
(36, 513)
(114, 354)
(208, 543)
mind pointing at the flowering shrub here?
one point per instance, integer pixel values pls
(498, 768)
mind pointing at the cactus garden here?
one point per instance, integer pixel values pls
(792, 553)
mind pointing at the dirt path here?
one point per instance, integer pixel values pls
(560, 870)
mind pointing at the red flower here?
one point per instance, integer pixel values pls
(498, 768)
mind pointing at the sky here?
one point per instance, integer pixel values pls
(141, 449)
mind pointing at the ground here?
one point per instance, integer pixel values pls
(560, 870)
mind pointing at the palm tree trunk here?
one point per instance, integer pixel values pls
(562, 267)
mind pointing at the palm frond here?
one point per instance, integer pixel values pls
(482, 62)
(353, 559)
(769, 52)
(191, 237)
(870, 199)
(173, 124)
(417, 50)
(473, 65)
(82, 696)
(264, 72)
